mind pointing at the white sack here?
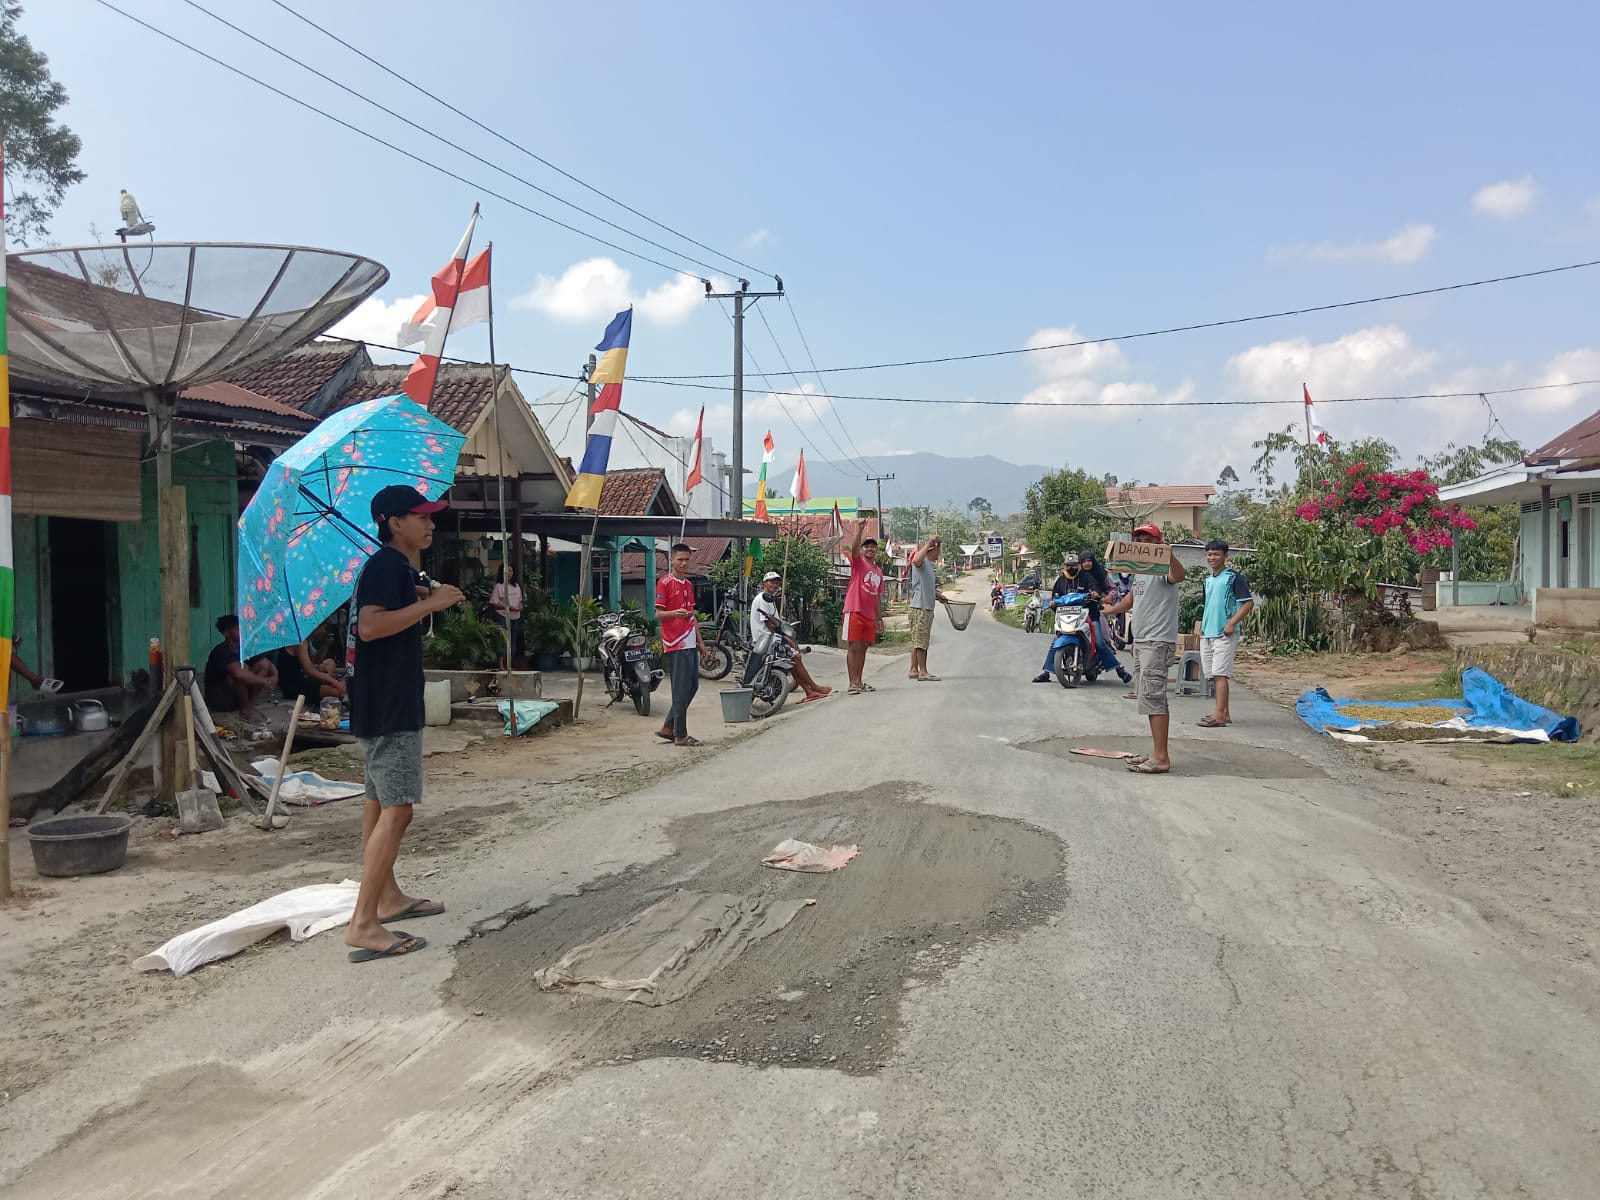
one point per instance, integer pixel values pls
(306, 911)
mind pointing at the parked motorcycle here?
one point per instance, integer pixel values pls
(626, 662)
(1117, 623)
(773, 680)
(1074, 646)
(1030, 615)
(722, 644)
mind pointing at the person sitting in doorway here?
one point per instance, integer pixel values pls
(41, 684)
(232, 685)
(302, 671)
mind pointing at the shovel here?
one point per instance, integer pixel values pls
(198, 811)
(268, 820)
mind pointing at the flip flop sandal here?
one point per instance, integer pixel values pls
(1211, 723)
(818, 696)
(419, 908)
(930, 679)
(1135, 759)
(1130, 695)
(855, 691)
(403, 944)
(1146, 767)
(867, 687)
(664, 735)
(689, 741)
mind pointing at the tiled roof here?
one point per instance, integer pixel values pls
(295, 378)
(460, 395)
(1582, 441)
(636, 492)
(1180, 495)
(705, 553)
(815, 528)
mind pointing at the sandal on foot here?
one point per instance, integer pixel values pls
(417, 908)
(855, 690)
(1146, 767)
(403, 944)
(688, 741)
(1209, 722)
(929, 679)
(664, 734)
(867, 687)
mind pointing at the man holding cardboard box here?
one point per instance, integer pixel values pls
(1154, 601)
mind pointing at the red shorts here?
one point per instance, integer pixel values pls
(858, 627)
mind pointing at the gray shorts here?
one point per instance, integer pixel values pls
(394, 767)
(1152, 661)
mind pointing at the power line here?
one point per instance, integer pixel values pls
(806, 345)
(1150, 333)
(440, 138)
(1534, 387)
(388, 145)
(514, 144)
(821, 424)
(655, 437)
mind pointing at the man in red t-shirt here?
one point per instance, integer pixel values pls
(675, 607)
(861, 606)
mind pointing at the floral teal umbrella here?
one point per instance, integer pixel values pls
(308, 531)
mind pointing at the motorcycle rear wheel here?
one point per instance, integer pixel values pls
(715, 661)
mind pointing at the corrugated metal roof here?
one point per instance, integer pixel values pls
(1582, 441)
(1179, 495)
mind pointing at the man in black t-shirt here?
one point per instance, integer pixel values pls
(386, 681)
(231, 685)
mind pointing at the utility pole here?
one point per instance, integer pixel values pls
(588, 385)
(883, 528)
(739, 297)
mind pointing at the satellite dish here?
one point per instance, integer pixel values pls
(164, 316)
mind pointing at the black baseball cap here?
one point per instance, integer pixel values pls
(401, 499)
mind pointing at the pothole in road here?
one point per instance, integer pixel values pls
(1190, 756)
(929, 884)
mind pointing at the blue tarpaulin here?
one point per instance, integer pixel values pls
(1485, 705)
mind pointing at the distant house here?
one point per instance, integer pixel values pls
(1557, 487)
(1183, 505)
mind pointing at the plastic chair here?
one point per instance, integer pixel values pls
(1192, 679)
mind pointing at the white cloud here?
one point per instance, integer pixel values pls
(1070, 361)
(762, 411)
(773, 409)
(1367, 360)
(1409, 244)
(597, 288)
(759, 238)
(373, 320)
(1568, 367)
(1506, 199)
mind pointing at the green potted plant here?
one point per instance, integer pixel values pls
(544, 633)
(578, 638)
(461, 641)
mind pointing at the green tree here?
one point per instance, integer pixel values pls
(903, 524)
(952, 528)
(41, 153)
(982, 511)
(809, 571)
(1490, 550)
(1060, 513)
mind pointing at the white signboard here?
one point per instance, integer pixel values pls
(996, 547)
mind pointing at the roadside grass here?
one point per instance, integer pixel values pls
(1443, 686)
(1556, 768)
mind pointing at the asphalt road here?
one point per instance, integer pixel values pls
(1043, 977)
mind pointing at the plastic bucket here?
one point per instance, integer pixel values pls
(65, 846)
(959, 611)
(736, 704)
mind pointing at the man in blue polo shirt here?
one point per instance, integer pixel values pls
(1228, 602)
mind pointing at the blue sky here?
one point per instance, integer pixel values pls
(930, 179)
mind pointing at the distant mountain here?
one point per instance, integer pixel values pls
(923, 479)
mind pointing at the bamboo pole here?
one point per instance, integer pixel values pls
(500, 494)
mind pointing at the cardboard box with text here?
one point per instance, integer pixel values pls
(1141, 558)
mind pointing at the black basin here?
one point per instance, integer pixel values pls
(79, 845)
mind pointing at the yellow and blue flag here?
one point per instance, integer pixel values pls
(608, 372)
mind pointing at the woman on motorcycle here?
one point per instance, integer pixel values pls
(1074, 578)
(1099, 587)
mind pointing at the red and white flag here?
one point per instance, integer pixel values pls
(694, 475)
(835, 531)
(471, 307)
(447, 287)
(800, 489)
(1314, 430)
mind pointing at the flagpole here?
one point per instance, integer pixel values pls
(1311, 466)
(7, 573)
(500, 487)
